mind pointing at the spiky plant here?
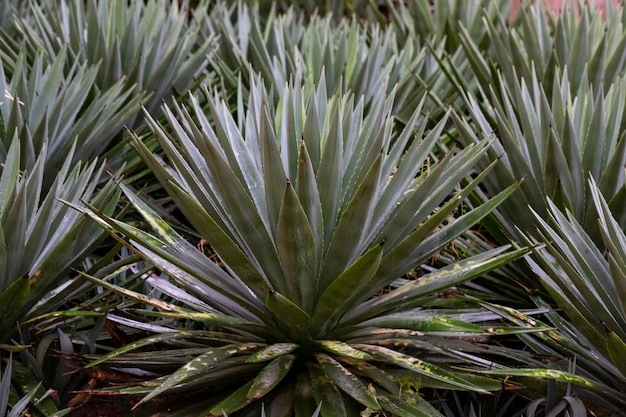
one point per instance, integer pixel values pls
(553, 127)
(312, 209)
(349, 56)
(41, 238)
(10, 404)
(587, 282)
(154, 46)
(49, 108)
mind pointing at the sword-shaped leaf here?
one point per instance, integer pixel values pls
(347, 381)
(235, 401)
(296, 322)
(201, 364)
(272, 352)
(418, 366)
(326, 393)
(299, 265)
(344, 290)
(343, 350)
(270, 376)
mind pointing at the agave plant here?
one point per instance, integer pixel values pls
(312, 209)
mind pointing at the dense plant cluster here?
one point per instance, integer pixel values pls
(303, 209)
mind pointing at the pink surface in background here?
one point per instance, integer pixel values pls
(557, 5)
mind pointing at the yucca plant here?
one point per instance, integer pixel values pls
(282, 48)
(312, 209)
(444, 21)
(580, 39)
(587, 283)
(41, 238)
(50, 109)
(153, 45)
(553, 128)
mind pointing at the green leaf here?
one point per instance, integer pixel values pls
(270, 376)
(345, 380)
(350, 228)
(344, 350)
(272, 351)
(151, 340)
(297, 250)
(12, 301)
(617, 351)
(236, 401)
(291, 319)
(418, 366)
(10, 174)
(426, 324)
(438, 280)
(326, 393)
(404, 409)
(557, 375)
(344, 291)
(202, 364)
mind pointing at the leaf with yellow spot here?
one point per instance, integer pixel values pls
(199, 365)
(343, 349)
(617, 351)
(418, 366)
(326, 393)
(557, 375)
(423, 323)
(270, 376)
(151, 340)
(347, 381)
(272, 352)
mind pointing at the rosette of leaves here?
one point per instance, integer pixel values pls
(40, 236)
(59, 111)
(351, 56)
(587, 282)
(553, 140)
(147, 51)
(551, 92)
(581, 39)
(312, 210)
